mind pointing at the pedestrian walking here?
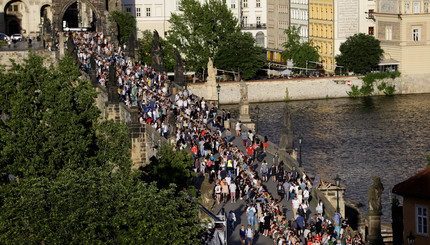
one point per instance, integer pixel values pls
(242, 235)
(232, 219)
(249, 235)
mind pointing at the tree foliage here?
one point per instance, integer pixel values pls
(146, 47)
(74, 183)
(299, 52)
(241, 47)
(126, 23)
(169, 166)
(95, 206)
(52, 121)
(359, 53)
(209, 30)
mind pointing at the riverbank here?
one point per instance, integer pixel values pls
(280, 90)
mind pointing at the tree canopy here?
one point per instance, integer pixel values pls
(126, 23)
(73, 180)
(299, 52)
(53, 122)
(209, 30)
(359, 53)
(241, 47)
(95, 206)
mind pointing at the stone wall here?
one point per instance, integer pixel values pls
(307, 88)
(49, 57)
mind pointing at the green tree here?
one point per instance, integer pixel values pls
(146, 47)
(240, 46)
(200, 29)
(359, 53)
(52, 122)
(97, 206)
(169, 166)
(300, 52)
(126, 23)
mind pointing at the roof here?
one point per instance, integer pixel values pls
(416, 186)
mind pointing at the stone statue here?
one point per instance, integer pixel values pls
(157, 54)
(93, 67)
(287, 136)
(179, 68)
(134, 95)
(132, 43)
(374, 197)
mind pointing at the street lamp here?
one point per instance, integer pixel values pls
(257, 110)
(337, 181)
(300, 150)
(218, 90)
(411, 239)
(185, 78)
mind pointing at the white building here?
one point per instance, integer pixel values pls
(254, 20)
(299, 17)
(155, 14)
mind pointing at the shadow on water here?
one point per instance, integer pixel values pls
(367, 103)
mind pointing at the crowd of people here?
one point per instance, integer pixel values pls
(240, 173)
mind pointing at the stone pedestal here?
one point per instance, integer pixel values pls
(211, 93)
(287, 136)
(244, 116)
(62, 51)
(375, 237)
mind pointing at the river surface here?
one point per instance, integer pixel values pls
(387, 137)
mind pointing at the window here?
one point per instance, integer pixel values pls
(257, 3)
(233, 4)
(422, 220)
(128, 10)
(371, 30)
(148, 12)
(406, 8)
(426, 7)
(15, 8)
(245, 20)
(416, 35)
(388, 33)
(371, 12)
(245, 3)
(258, 21)
(138, 12)
(416, 8)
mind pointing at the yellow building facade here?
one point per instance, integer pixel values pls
(321, 31)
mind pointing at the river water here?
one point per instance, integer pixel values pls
(387, 137)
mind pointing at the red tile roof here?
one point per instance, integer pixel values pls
(416, 186)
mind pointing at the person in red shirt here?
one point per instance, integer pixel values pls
(250, 152)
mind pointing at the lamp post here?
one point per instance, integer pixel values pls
(185, 79)
(411, 239)
(218, 90)
(257, 110)
(337, 180)
(300, 150)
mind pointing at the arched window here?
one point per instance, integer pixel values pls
(259, 39)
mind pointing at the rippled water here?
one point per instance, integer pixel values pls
(381, 136)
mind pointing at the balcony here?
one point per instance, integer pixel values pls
(253, 26)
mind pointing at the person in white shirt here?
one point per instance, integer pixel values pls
(233, 192)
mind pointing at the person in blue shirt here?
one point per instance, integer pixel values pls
(336, 221)
(300, 224)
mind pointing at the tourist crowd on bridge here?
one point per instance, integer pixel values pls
(239, 175)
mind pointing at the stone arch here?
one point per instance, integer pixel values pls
(16, 16)
(259, 39)
(60, 9)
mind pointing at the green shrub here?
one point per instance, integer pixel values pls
(389, 90)
(382, 86)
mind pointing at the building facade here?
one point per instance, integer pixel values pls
(254, 20)
(321, 30)
(278, 20)
(299, 17)
(403, 27)
(416, 205)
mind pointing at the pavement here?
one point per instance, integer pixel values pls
(239, 207)
(22, 45)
